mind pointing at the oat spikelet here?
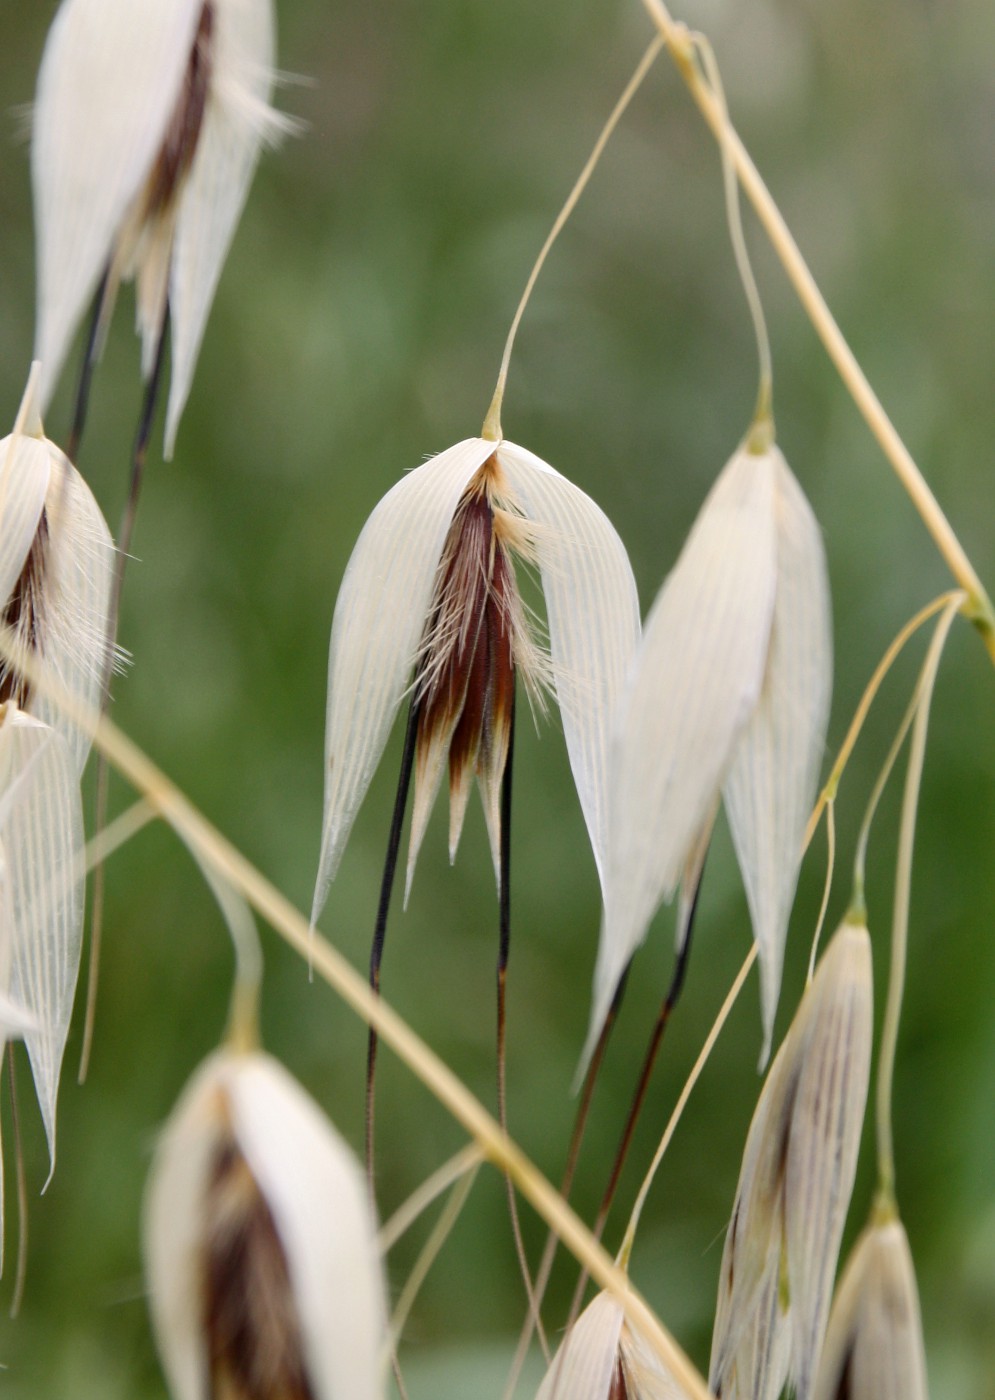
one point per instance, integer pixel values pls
(874, 1348)
(260, 1247)
(430, 600)
(794, 1188)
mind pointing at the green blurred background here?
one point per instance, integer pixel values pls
(357, 329)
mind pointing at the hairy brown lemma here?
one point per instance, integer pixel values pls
(476, 641)
(180, 142)
(24, 615)
(250, 1319)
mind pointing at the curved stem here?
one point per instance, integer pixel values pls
(102, 784)
(419, 1201)
(682, 51)
(829, 790)
(440, 1233)
(492, 423)
(566, 1186)
(675, 1117)
(900, 914)
(858, 901)
(764, 409)
(827, 887)
(243, 1010)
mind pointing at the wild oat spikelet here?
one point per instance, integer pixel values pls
(429, 601)
(260, 1247)
(147, 127)
(874, 1348)
(56, 565)
(602, 1358)
(780, 1253)
(729, 693)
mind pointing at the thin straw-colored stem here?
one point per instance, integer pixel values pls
(826, 888)
(675, 1117)
(877, 791)
(429, 1191)
(900, 913)
(492, 423)
(734, 217)
(243, 1012)
(430, 1252)
(829, 790)
(682, 51)
(118, 833)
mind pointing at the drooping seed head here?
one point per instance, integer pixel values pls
(148, 125)
(795, 1183)
(729, 694)
(41, 891)
(429, 600)
(260, 1248)
(874, 1346)
(602, 1358)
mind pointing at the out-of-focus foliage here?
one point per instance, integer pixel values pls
(358, 328)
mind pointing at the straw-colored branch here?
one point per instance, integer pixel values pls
(682, 50)
(900, 909)
(826, 888)
(675, 1117)
(763, 413)
(492, 423)
(828, 792)
(441, 1231)
(429, 1191)
(117, 833)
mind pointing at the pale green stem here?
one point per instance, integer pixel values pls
(681, 48)
(827, 887)
(243, 1012)
(428, 1192)
(900, 915)
(764, 410)
(430, 1252)
(492, 423)
(829, 791)
(622, 1259)
(118, 833)
(880, 783)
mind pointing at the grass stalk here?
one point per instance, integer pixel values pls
(682, 48)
